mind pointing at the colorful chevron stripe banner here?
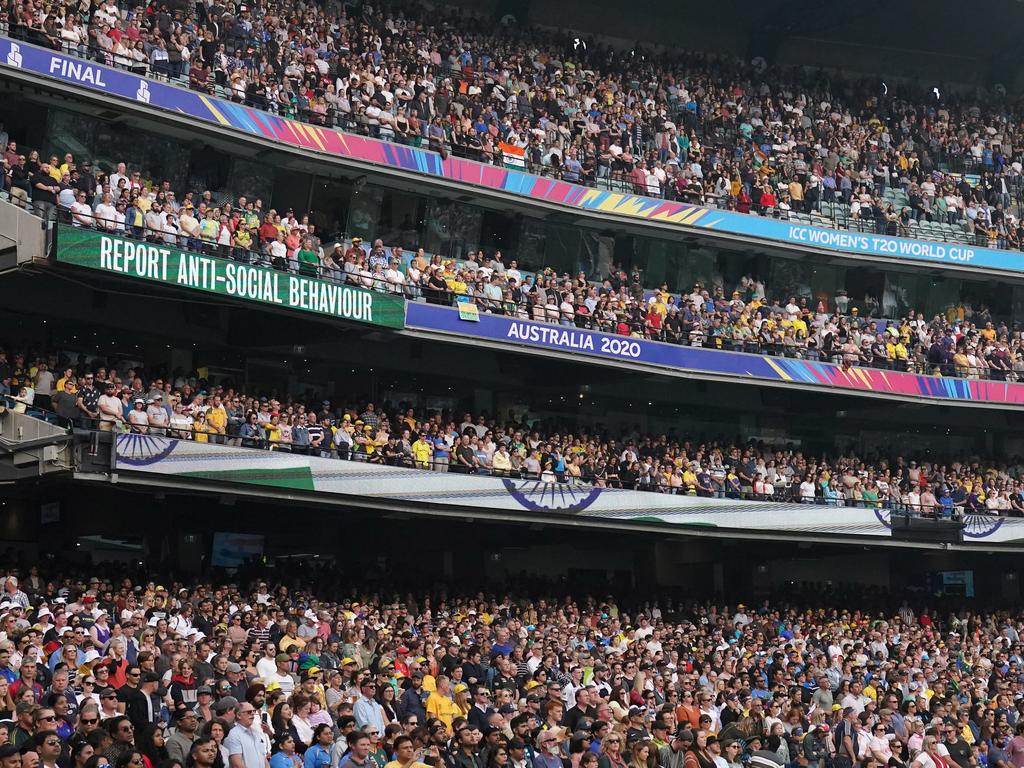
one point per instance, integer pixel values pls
(161, 96)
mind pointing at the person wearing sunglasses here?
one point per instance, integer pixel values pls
(48, 747)
(123, 746)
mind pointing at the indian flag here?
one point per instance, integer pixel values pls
(514, 157)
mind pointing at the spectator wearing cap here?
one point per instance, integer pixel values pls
(659, 729)
(235, 676)
(673, 754)
(109, 706)
(637, 728)
(281, 677)
(24, 724)
(143, 706)
(204, 704)
(413, 701)
(226, 709)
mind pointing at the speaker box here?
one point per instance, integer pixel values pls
(906, 528)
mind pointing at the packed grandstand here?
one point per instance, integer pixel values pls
(110, 669)
(963, 341)
(94, 394)
(282, 663)
(692, 127)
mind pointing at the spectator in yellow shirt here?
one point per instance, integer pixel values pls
(201, 428)
(422, 452)
(439, 703)
(217, 419)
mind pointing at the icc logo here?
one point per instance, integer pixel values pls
(14, 56)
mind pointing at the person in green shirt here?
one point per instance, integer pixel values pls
(309, 261)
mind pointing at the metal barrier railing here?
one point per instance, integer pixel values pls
(637, 327)
(259, 437)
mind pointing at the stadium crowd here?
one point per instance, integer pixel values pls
(96, 395)
(963, 341)
(688, 126)
(111, 669)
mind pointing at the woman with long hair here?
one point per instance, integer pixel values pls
(280, 716)
(151, 742)
(640, 755)
(498, 757)
(619, 703)
(460, 696)
(217, 729)
(284, 754)
(386, 698)
(302, 728)
(929, 756)
(183, 689)
(697, 756)
(610, 755)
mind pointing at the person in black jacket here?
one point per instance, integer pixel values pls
(473, 672)
(466, 755)
(138, 694)
(481, 709)
(412, 701)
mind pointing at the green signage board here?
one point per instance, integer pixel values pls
(168, 265)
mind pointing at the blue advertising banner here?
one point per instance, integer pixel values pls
(97, 77)
(713, 362)
(579, 341)
(687, 217)
(873, 245)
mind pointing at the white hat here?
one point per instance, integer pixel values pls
(67, 629)
(44, 611)
(127, 615)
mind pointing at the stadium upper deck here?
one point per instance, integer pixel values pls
(694, 130)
